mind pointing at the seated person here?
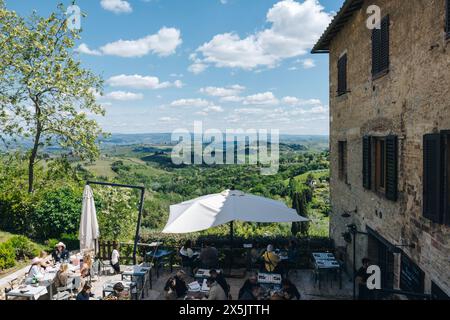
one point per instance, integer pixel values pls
(271, 260)
(251, 282)
(176, 286)
(209, 257)
(252, 293)
(36, 271)
(85, 293)
(85, 270)
(44, 259)
(220, 279)
(115, 259)
(60, 254)
(119, 293)
(215, 290)
(289, 290)
(62, 278)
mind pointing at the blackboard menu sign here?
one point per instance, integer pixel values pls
(411, 276)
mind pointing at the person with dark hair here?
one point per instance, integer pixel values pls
(253, 293)
(290, 291)
(361, 280)
(209, 257)
(115, 258)
(85, 293)
(60, 254)
(220, 280)
(215, 290)
(248, 285)
(176, 286)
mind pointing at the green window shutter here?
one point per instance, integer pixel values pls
(367, 162)
(432, 177)
(392, 168)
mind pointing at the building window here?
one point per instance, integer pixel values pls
(436, 177)
(380, 48)
(343, 161)
(437, 293)
(342, 75)
(380, 164)
(383, 169)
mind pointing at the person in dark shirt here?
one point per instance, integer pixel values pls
(220, 279)
(253, 293)
(248, 285)
(85, 293)
(289, 290)
(209, 257)
(60, 254)
(361, 280)
(176, 286)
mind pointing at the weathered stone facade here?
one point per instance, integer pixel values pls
(411, 100)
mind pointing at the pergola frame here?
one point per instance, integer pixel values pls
(141, 207)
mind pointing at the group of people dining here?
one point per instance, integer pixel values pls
(268, 261)
(73, 272)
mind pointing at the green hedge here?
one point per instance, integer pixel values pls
(7, 256)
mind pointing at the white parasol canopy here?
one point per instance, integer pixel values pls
(89, 230)
(230, 205)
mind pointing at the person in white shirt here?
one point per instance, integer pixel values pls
(186, 250)
(115, 257)
(36, 271)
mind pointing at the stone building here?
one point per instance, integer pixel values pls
(390, 139)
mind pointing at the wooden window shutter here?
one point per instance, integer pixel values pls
(432, 173)
(367, 162)
(447, 17)
(376, 44)
(391, 168)
(445, 151)
(342, 75)
(384, 54)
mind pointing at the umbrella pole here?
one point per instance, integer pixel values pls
(231, 244)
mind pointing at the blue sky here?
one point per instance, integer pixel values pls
(229, 63)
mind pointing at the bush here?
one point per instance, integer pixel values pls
(57, 212)
(7, 256)
(24, 248)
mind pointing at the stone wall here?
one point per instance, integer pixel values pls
(413, 99)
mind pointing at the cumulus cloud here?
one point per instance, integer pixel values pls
(116, 6)
(222, 92)
(163, 43)
(137, 81)
(308, 63)
(265, 98)
(124, 96)
(190, 103)
(295, 27)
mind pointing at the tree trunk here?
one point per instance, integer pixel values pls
(32, 159)
(34, 151)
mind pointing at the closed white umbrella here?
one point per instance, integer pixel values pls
(230, 205)
(89, 230)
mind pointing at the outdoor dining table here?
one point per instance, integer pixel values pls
(270, 282)
(29, 292)
(204, 274)
(326, 261)
(158, 256)
(143, 274)
(197, 290)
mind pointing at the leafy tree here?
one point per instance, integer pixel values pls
(45, 94)
(117, 213)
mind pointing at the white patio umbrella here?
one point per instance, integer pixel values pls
(230, 205)
(89, 230)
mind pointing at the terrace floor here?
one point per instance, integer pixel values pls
(303, 279)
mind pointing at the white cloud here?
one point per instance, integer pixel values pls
(294, 101)
(222, 92)
(141, 82)
(163, 43)
(84, 48)
(167, 119)
(295, 27)
(197, 68)
(231, 99)
(190, 103)
(249, 111)
(116, 6)
(124, 96)
(213, 108)
(308, 63)
(266, 98)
